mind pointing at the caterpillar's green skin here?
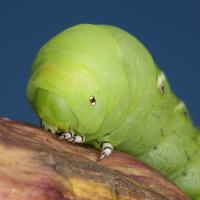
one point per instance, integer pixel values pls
(135, 111)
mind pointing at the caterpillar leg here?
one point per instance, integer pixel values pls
(67, 136)
(48, 127)
(106, 150)
(71, 137)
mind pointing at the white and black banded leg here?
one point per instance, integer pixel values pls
(79, 139)
(71, 137)
(106, 150)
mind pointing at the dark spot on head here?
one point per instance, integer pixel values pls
(155, 147)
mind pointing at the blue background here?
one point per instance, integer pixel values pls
(169, 29)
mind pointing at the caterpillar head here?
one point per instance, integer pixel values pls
(66, 99)
(71, 85)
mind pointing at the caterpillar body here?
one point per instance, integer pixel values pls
(100, 85)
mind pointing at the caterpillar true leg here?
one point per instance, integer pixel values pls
(48, 127)
(71, 137)
(67, 136)
(106, 150)
(78, 139)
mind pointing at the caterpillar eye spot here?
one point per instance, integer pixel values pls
(162, 88)
(160, 82)
(92, 101)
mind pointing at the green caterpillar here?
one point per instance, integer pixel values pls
(99, 85)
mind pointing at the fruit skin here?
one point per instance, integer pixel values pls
(48, 169)
(135, 109)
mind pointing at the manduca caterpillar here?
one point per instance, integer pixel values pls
(99, 85)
